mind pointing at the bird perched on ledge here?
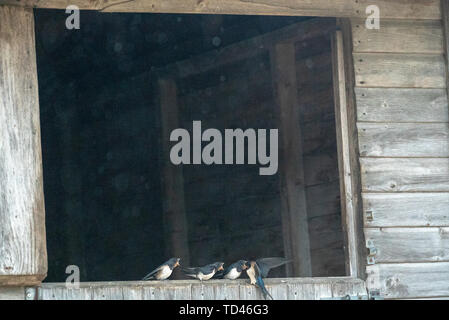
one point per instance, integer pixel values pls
(234, 270)
(258, 269)
(204, 273)
(164, 270)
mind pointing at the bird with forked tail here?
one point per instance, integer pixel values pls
(232, 272)
(259, 269)
(164, 271)
(204, 273)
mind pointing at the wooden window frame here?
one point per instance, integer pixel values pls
(344, 103)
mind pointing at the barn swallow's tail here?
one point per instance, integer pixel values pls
(191, 272)
(262, 287)
(148, 277)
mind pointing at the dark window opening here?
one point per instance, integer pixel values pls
(103, 151)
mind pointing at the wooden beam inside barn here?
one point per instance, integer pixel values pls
(175, 222)
(293, 196)
(405, 9)
(23, 253)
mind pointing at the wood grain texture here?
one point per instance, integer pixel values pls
(445, 24)
(402, 105)
(405, 175)
(356, 198)
(409, 280)
(399, 36)
(292, 189)
(342, 117)
(419, 9)
(396, 245)
(407, 209)
(399, 70)
(12, 293)
(280, 289)
(403, 139)
(23, 255)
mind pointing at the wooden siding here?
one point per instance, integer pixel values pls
(402, 121)
(292, 289)
(418, 9)
(23, 254)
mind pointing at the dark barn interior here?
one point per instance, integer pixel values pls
(103, 151)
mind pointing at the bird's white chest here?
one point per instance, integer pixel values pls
(252, 275)
(164, 273)
(202, 276)
(233, 274)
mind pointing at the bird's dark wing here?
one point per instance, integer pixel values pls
(153, 273)
(190, 271)
(229, 268)
(265, 264)
(207, 269)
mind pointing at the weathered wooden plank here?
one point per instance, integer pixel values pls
(402, 105)
(293, 288)
(406, 209)
(132, 293)
(445, 24)
(107, 293)
(293, 196)
(228, 291)
(297, 291)
(408, 9)
(399, 36)
(405, 175)
(403, 139)
(402, 280)
(399, 70)
(250, 292)
(396, 245)
(23, 253)
(418, 9)
(168, 291)
(63, 293)
(175, 221)
(12, 293)
(344, 116)
(351, 288)
(205, 292)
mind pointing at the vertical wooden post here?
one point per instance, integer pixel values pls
(23, 253)
(293, 196)
(348, 149)
(445, 17)
(175, 221)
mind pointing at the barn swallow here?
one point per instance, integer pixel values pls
(235, 270)
(164, 270)
(204, 273)
(254, 274)
(258, 269)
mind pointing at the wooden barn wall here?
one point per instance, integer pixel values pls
(402, 120)
(229, 208)
(317, 123)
